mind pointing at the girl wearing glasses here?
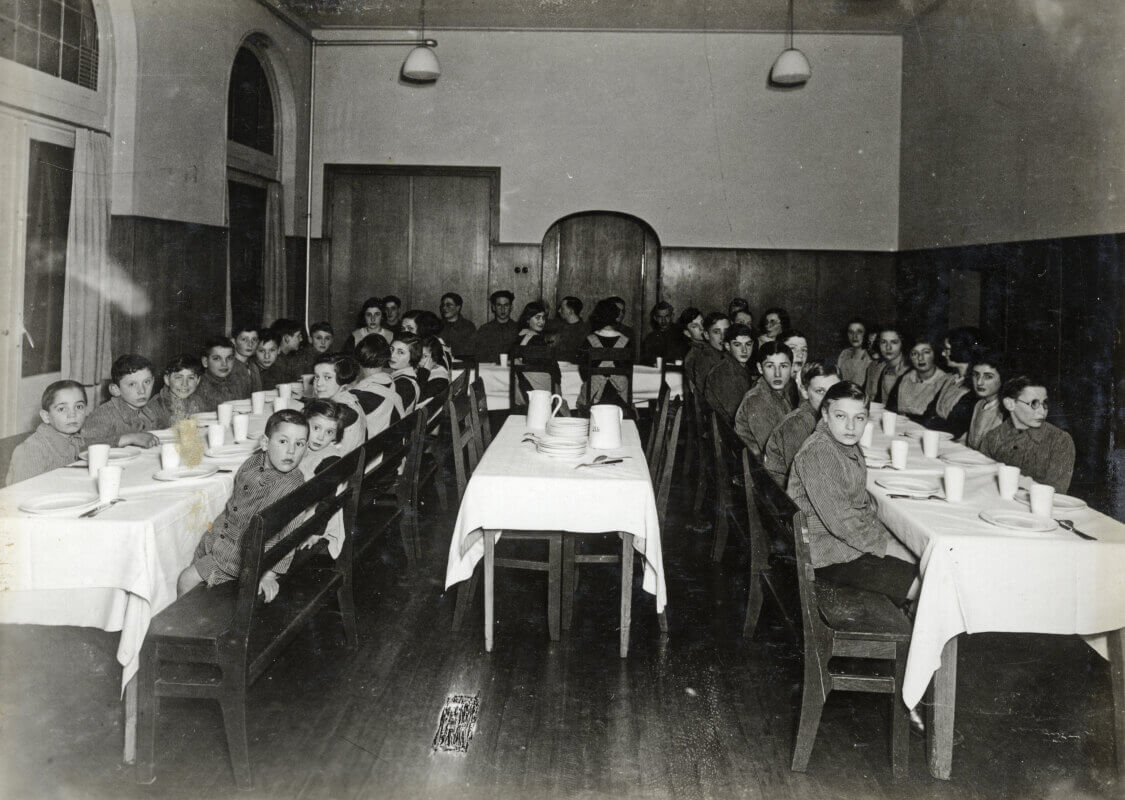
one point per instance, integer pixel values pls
(1026, 440)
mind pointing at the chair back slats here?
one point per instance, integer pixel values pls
(465, 437)
(536, 359)
(671, 418)
(806, 578)
(384, 455)
(480, 411)
(654, 447)
(608, 365)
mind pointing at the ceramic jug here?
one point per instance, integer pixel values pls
(605, 426)
(541, 406)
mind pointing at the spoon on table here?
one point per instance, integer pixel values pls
(603, 460)
(1069, 525)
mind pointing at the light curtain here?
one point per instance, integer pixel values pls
(275, 303)
(86, 347)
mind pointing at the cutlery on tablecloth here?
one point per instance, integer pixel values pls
(1069, 525)
(602, 461)
(93, 512)
(913, 497)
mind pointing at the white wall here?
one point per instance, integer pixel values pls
(678, 129)
(1013, 122)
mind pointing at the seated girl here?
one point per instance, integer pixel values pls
(987, 376)
(433, 368)
(532, 324)
(370, 321)
(406, 353)
(952, 409)
(605, 333)
(332, 374)
(327, 422)
(921, 384)
(883, 374)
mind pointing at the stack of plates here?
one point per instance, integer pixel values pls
(557, 447)
(575, 428)
(916, 433)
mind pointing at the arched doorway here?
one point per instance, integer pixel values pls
(597, 254)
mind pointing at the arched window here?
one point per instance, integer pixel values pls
(59, 37)
(250, 103)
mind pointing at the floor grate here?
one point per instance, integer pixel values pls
(457, 724)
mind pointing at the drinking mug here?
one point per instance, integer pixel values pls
(954, 484)
(899, 450)
(109, 484)
(889, 419)
(97, 456)
(258, 402)
(241, 425)
(169, 455)
(1009, 479)
(215, 436)
(930, 440)
(1042, 498)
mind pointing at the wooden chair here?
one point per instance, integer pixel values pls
(465, 437)
(727, 472)
(384, 494)
(842, 622)
(214, 642)
(608, 362)
(654, 445)
(480, 410)
(532, 359)
(700, 419)
(434, 446)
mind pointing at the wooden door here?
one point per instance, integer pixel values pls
(413, 232)
(247, 214)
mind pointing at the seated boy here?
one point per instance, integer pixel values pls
(219, 383)
(57, 441)
(265, 358)
(293, 360)
(781, 448)
(128, 416)
(178, 398)
(764, 406)
(729, 380)
(699, 361)
(264, 478)
(245, 339)
(320, 338)
(1026, 440)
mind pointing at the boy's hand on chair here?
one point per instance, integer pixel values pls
(268, 586)
(141, 439)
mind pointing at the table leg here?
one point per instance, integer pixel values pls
(626, 590)
(130, 755)
(554, 556)
(939, 726)
(1115, 642)
(568, 572)
(489, 576)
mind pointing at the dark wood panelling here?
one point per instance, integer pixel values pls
(170, 293)
(507, 271)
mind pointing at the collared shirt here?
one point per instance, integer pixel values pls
(257, 485)
(881, 379)
(828, 482)
(853, 367)
(700, 360)
(168, 409)
(1045, 453)
(725, 386)
(44, 450)
(493, 338)
(212, 391)
(669, 344)
(271, 376)
(986, 416)
(762, 409)
(786, 440)
(459, 336)
(380, 402)
(567, 337)
(248, 370)
(913, 395)
(109, 421)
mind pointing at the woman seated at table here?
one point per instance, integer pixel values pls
(370, 321)
(603, 389)
(884, 373)
(828, 482)
(919, 385)
(952, 409)
(532, 324)
(332, 374)
(986, 376)
(406, 353)
(1026, 440)
(433, 368)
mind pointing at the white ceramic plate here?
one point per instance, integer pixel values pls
(231, 450)
(875, 458)
(182, 473)
(1060, 502)
(966, 458)
(916, 433)
(166, 435)
(1019, 521)
(915, 487)
(242, 406)
(117, 455)
(206, 416)
(60, 505)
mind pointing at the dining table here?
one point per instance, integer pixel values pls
(646, 383)
(115, 567)
(517, 488)
(988, 565)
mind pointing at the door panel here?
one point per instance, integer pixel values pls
(247, 252)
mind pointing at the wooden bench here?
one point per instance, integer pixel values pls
(214, 642)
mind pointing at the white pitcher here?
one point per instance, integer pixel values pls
(541, 406)
(605, 426)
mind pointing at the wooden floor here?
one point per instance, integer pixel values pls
(699, 714)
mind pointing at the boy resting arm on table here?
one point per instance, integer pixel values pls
(128, 417)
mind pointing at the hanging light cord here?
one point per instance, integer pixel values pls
(789, 38)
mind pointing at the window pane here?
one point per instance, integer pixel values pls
(49, 55)
(27, 47)
(48, 220)
(249, 104)
(9, 9)
(72, 27)
(29, 13)
(50, 18)
(7, 40)
(70, 64)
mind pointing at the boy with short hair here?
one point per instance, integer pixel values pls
(817, 377)
(178, 399)
(265, 358)
(58, 439)
(729, 380)
(245, 340)
(320, 338)
(768, 402)
(220, 384)
(264, 478)
(700, 361)
(293, 360)
(128, 416)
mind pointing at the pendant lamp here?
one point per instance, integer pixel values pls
(791, 67)
(421, 64)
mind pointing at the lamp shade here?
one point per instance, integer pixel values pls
(421, 65)
(790, 69)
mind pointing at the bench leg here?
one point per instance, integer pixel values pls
(147, 703)
(554, 568)
(234, 722)
(753, 605)
(626, 590)
(722, 527)
(346, 600)
(489, 586)
(900, 717)
(812, 705)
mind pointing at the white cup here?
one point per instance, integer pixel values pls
(280, 403)
(258, 402)
(1042, 498)
(109, 484)
(868, 435)
(97, 456)
(889, 419)
(307, 384)
(284, 390)
(659, 362)
(503, 359)
(930, 440)
(954, 484)
(1009, 479)
(225, 412)
(215, 436)
(899, 449)
(169, 455)
(241, 425)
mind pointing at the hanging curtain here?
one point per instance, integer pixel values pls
(274, 301)
(86, 348)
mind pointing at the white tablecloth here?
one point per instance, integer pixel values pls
(977, 577)
(516, 488)
(646, 384)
